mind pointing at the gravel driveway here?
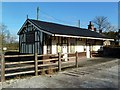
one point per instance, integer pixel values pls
(88, 75)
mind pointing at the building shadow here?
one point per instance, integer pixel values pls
(108, 51)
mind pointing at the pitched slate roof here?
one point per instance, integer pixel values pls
(64, 29)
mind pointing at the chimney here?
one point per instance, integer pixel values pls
(91, 26)
(100, 31)
(95, 29)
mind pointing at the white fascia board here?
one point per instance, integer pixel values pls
(22, 27)
(65, 36)
(82, 37)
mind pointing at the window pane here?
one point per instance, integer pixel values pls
(59, 48)
(48, 49)
(72, 48)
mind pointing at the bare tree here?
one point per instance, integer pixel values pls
(102, 23)
(12, 39)
(110, 27)
(3, 31)
(6, 39)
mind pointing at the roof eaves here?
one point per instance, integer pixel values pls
(22, 27)
(83, 37)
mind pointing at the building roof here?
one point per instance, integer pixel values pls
(58, 29)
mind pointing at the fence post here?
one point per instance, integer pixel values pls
(59, 61)
(2, 67)
(76, 60)
(36, 64)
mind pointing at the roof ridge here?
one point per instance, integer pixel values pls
(58, 24)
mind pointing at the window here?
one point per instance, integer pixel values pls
(49, 46)
(72, 45)
(29, 28)
(48, 49)
(64, 40)
(72, 48)
(59, 48)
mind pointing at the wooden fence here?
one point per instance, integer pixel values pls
(33, 65)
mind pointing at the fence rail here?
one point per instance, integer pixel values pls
(8, 56)
(34, 66)
(21, 62)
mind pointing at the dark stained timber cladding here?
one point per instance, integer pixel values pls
(30, 37)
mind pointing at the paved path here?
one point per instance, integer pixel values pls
(94, 73)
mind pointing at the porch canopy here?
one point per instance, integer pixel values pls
(64, 30)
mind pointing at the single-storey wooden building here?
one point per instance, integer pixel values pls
(51, 38)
